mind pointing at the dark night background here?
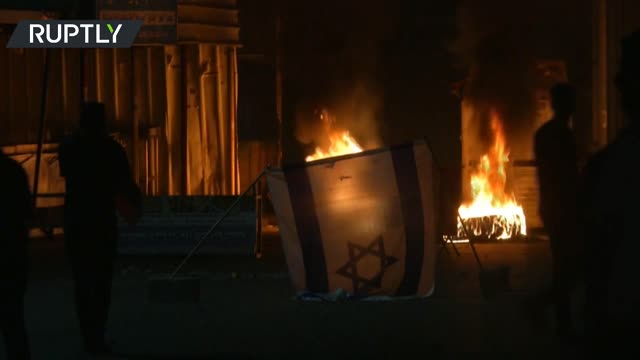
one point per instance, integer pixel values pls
(387, 70)
(391, 63)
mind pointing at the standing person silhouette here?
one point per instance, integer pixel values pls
(609, 200)
(15, 211)
(556, 161)
(96, 171)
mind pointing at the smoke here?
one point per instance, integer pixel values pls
(354, 108)
(496, 45)
(342, 74)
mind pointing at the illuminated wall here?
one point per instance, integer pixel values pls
(173, 106)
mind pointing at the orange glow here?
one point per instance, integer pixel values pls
(492, 212)
(341, 143)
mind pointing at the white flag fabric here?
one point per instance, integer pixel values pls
(364, 223)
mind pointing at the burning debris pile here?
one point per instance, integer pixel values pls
(338, 142)
(500, 106)
(493, 213)
(342, 143)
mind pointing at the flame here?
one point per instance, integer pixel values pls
(492, 212)
(341, 143)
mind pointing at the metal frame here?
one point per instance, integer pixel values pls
(202, 240)
(472, 239)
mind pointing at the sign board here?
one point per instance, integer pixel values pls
(172, 225)
(159, 16)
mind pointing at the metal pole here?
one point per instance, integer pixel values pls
(83, 81)
(205, 236)
(453, 245)
(278, 70)
(43, 113)
(259, 211)
(473, 248)
(439, 201)
(184, 116)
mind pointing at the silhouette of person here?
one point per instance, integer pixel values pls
(557, 165)
(15, 211)
(610, 213)
(96, 171)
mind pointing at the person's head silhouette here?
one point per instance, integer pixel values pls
(563, 101)
(628, 79)
(93, 120)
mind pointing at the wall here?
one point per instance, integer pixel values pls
(172, 107)
(518, 133)
(21, 92)
(185, 94)
(418, 102)
(253, 157)
(132, 85)
(258, 125)
(50, 181)
(613, 19)
(259, 110)
(331, 59)
(502, 45)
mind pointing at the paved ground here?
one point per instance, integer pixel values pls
(253, 316)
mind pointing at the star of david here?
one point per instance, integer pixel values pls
(357, 252)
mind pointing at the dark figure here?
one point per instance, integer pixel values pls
(556, 160)
(611, 214)
(96, 171)
(15, 211)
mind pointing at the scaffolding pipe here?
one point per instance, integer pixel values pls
(43, 114)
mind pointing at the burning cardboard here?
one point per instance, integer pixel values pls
(493, 212)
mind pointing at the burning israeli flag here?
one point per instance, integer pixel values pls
(364, 222)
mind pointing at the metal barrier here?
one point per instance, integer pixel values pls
(48, 219)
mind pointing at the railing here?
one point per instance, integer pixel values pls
(48, 219)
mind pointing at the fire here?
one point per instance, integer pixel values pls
(492, 212)
(341, 143)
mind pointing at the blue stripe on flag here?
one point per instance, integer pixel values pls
(304, 210)
(404, 165)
